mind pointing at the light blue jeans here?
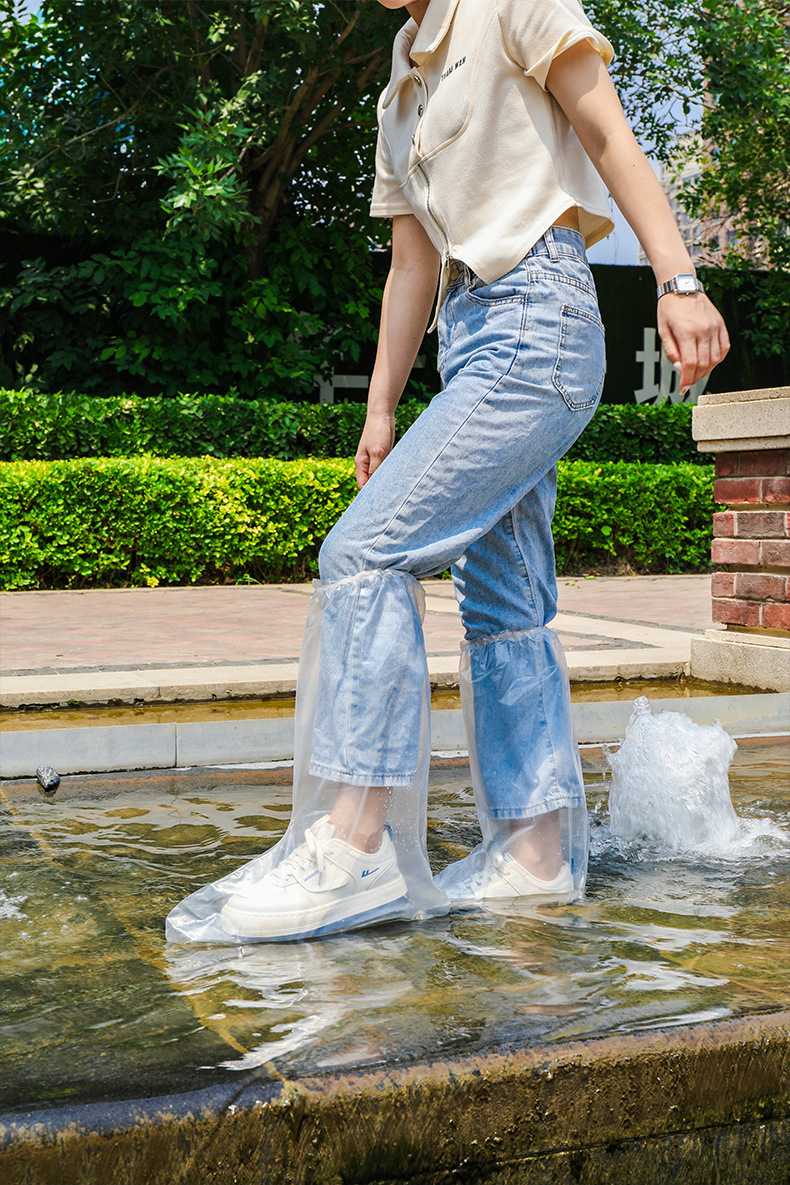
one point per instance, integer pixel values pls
(471, 486)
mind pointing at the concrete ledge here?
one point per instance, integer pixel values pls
(601, 666)
(743, 444)
(740, 715)
(152, 686)
(711, 398)
(731, 657)
(748, 419)
(82, 687)
(88, 750)
(230, 741)
(227, 742)
(693, 1104)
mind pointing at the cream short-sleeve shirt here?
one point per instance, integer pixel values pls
(472, 143)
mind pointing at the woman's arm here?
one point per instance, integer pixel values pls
(691, 329)
(408, 296)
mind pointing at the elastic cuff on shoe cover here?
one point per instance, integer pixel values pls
(369, 576)
(508, 635)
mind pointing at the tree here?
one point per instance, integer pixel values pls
(213, 160)
(743, 152)
(171, 135)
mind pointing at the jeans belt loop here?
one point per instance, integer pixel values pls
(551, 244)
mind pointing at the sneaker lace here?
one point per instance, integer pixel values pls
(309, 853)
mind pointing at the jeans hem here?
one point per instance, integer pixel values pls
(543, 808)
(374, 777)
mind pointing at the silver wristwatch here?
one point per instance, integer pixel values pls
(683, 282)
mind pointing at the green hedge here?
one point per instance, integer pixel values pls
(150, 520)
(55, 427)
(657, 434)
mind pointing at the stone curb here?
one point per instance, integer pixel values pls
(105, 748)
(695, 1104)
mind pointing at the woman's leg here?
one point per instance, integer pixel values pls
(474, 482)
(516, 700)
(522, 364)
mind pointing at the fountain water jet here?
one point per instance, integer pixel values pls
(670, 783)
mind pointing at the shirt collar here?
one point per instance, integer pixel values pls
(401, 66)
(433, 29)
(416, 43)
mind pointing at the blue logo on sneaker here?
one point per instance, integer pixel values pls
(368, 871)
(310, 875)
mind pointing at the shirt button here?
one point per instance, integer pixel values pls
(420, 109)
(418, 80)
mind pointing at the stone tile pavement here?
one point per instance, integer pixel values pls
(200, 643)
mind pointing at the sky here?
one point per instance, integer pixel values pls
(621, 246)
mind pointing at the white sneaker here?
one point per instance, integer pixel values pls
(324, 885)
(506, 877)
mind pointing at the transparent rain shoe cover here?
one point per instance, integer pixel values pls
(526, 774)
(362, 751)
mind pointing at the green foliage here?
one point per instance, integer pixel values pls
(643, 518)
(659, 434)
(178, 138)
(657, 67)
(146, 520)
(54, 427)
(743, 155)
(215, 162)
(113, 109)
(143, 318)
(149, 520)
(149, 317)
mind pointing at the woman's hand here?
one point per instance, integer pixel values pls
(375, 443)
(693, 334)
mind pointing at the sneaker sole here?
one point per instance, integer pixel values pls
(565, 898)
(379, 906)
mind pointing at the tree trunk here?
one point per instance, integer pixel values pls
(269, 173)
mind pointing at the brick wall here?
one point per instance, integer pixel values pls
(751, 539)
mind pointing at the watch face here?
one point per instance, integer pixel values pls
(686, 283)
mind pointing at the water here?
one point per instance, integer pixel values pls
(670, 786)
(94, 1005)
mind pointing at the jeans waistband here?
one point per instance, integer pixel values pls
(556, 241)
(559, 240)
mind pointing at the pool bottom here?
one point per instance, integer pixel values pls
(700, 1104)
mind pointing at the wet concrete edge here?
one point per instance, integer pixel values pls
(711, 1099)
(121, 747)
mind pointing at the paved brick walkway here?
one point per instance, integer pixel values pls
(216, 642)
(137, 628)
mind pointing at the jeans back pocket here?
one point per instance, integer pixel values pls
(581, 358)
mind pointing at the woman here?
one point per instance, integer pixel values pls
(499, 135)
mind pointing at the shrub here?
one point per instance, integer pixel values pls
(643, 518)
(55, 427)
(149, 520)
(659, 434)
